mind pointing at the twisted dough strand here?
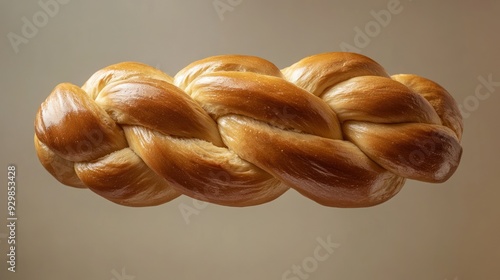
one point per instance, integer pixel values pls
(236, 130)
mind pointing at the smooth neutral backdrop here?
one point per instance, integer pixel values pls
(428, 231)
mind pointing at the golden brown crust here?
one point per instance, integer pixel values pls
(366, 99)
(119, 72)
(319, 72)
(122, 177)
(169, 110)
(265, 98)
(74, 127)
(236, 130)
(224, 63)
(63, 170)
(202, 170)
(417, 151)
(331, 172)
(442, 101)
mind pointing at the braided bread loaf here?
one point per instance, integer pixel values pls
(236, 130)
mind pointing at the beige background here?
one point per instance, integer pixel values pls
(432, 232)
